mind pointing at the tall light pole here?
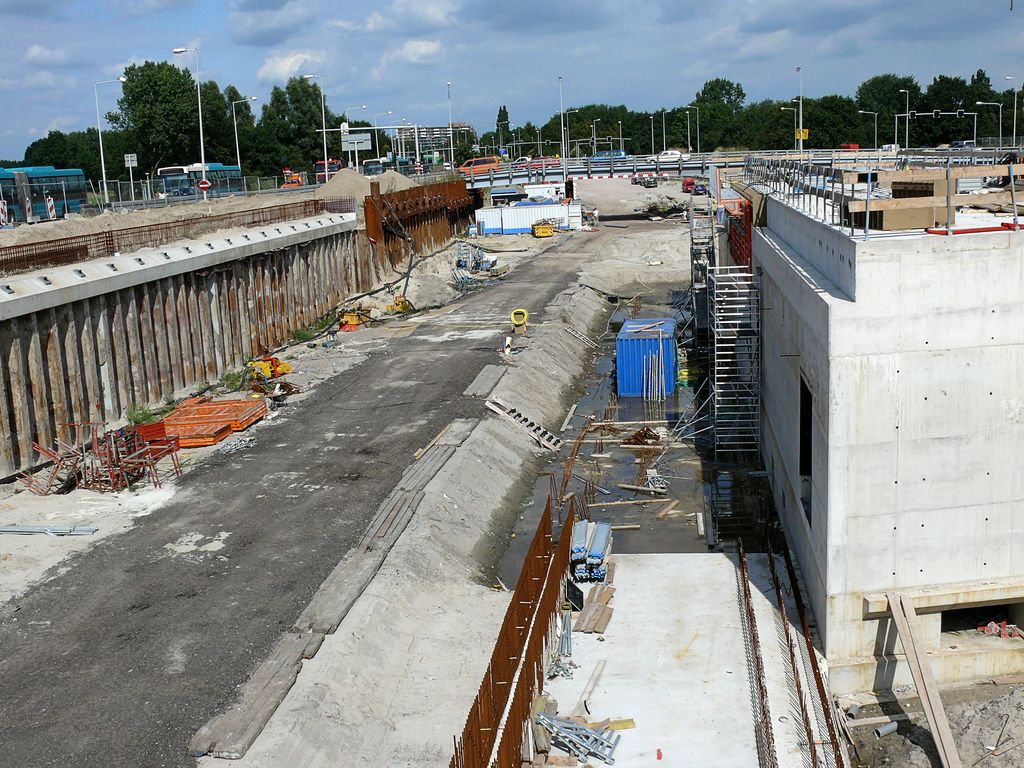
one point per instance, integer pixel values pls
(234, 121)
(689, 144)
(664, 146)
(451, 128)
(793, 110)
(622, 144)
(995, 104)
(1010, 77)
(906, 133)
(593, 134)
(561, 124)
(875, 115)
(652, 134)
(323, 120)
(800, 127)
(376, 140)
(501, 135)
(99, 131)
(199, 96)
(694, 106)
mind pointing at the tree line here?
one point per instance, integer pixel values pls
(157, 119)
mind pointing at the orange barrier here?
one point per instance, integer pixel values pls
(200, 422)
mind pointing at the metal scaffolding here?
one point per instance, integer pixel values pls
(702, 258)
(735, 360)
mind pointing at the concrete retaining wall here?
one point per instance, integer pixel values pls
(85, 342)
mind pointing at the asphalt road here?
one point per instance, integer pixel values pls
(119, 660)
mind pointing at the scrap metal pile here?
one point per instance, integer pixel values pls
(104, 460)
(591, 545)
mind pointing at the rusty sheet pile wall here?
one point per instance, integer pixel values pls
(430, 215)
(89, 360)
(516, 670)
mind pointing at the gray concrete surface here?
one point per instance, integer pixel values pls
(121, 657)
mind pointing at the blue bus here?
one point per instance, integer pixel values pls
(183, 180)
(27, 192)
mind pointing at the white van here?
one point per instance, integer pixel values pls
(890, 147)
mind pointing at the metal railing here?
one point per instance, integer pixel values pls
(500, 713)
(69, 250)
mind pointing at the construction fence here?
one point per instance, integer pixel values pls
(499, 719)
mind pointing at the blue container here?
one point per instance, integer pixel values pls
(636, 350)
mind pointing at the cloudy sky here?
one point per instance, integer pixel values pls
(397, 54)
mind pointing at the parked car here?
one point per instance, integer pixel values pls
(699, 189)
(890, 148)
(965, 144)
(689, 184)
(479, 165)
(672, 156)
(610, 154)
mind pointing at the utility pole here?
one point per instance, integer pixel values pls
(561, 123)
(664, 146)
(800, 128)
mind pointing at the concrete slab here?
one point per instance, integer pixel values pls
(675, 663)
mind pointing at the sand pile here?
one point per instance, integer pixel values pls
(345, 183)
(392, 181)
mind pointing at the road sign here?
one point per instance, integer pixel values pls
(344, 128)
(803, 133)
(131, 161)
(204, 185)
(356, 141)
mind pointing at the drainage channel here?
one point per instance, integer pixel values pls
(717, 503)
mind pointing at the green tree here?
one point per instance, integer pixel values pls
(159, 114)
(288, 132)
(218, 132)
(881, 94)
(720, 102)
(246, 120)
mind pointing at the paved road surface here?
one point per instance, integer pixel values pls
(119, 660)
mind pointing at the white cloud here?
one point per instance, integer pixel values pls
(435, 12)
(37, 54)
(280, 65)
(266, 23)
(378, 23)
(348, 26)
(410, 52)
(42, 79)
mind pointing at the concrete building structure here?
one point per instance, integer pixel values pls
(892, 430)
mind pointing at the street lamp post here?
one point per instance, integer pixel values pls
(376, 140)
(99, 131)
(1010, 77)
(652, 134)
(323, 120)
(622, 145)
(689, 144)
(995, 104)
(199, 97)
(800, 127)
(875, 115)
(694, 106)
(593, 135)
(501, 134)
(234, 121)
(664, 146)
(561, 124)
(906, 133)
(793, 110)
(451, 129)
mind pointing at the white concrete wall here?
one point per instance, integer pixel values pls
(919, 414)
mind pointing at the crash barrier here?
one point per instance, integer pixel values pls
(500, 714)
(69, 250)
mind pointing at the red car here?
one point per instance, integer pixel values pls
(688, 184)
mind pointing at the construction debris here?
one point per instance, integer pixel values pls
(544, 438)
(581, 741)
(50, 530)
(590, 545)
(199, 421)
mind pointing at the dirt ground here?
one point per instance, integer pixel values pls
(977, 714)
(617, 197)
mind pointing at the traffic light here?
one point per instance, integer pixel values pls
(959, 113)
(936, 113)
(913, 114)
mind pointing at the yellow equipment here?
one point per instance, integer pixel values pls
(401, 304)
(543, 229)
(269, 367)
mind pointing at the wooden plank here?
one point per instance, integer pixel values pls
(905, 617)
(580, 709)
(418, 455)
(937, 201)
(626, 503)
(603, 618)
(641, 489)
(230, 734)
(485, 381)
(629, 527)
(663, 513)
